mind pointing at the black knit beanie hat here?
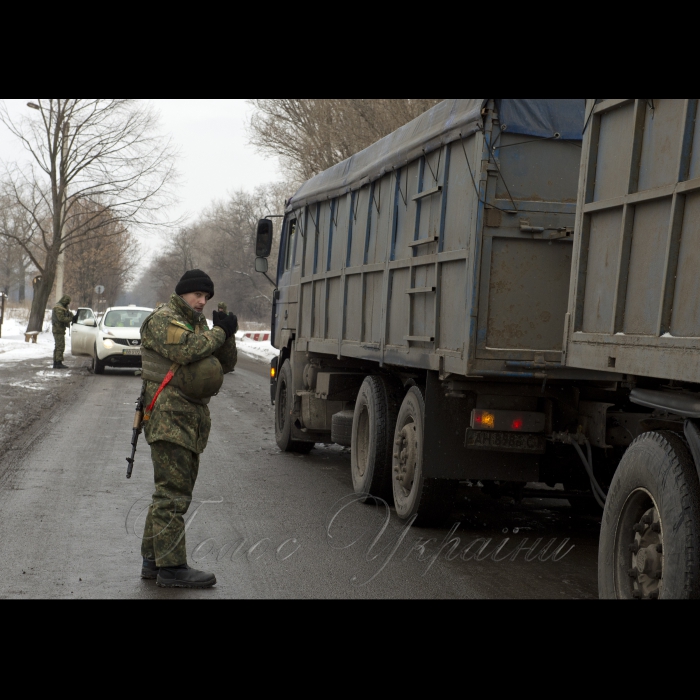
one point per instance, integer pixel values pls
(195, 281)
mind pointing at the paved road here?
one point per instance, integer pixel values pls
(269, 524)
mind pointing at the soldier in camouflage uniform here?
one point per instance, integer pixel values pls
(176, 338)
(61, 318)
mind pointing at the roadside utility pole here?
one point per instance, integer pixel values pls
(61, 256)
(2, 309)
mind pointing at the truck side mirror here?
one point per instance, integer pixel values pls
(261, 264)
(263, 240)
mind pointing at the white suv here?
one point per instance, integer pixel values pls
(113, 340)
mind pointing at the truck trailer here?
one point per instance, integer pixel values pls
(502, 291)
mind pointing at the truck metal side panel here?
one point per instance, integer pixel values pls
(457, 260)
(635, 296)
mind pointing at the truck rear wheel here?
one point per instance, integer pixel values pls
(284, 398)
(428, 499)
(650, 534)
(373, 423)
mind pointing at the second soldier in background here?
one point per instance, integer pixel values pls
(61, 318)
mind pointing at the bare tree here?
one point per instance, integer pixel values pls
(108, 260)
(181, 254)
(231, 227)
(15, 264)
(221, 242)
(311, 135)
(100, 156)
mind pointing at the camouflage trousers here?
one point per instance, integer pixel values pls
(59, 340)
(175, 471)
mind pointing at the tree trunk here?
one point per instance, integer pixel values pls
(39, 303)
(41, 294)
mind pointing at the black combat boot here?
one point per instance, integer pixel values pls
(184, 577)
(149, 569)
(59, 365)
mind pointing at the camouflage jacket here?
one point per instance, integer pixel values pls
(61, 316)
(180, 334)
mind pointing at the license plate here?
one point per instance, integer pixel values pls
(132, 351)
(503, 441)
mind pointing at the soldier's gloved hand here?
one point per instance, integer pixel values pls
(227, 322)
(235, 320)
(75, 318)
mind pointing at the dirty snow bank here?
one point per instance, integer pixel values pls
(257, 349)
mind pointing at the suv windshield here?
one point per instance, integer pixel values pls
(125, 319)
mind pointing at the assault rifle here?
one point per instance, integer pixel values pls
(138, 425)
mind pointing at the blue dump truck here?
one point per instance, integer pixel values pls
(506, 291)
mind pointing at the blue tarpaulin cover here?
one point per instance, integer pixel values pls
(542, 118)
(446, 122)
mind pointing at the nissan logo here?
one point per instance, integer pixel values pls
(134, 342)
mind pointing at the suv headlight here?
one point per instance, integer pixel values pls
(109, 344)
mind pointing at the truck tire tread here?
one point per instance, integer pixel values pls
(430, 500)
(384, 392)
(660, 462)
(283, 435)
(341, 428)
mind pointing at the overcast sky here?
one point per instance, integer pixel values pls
(215, 158)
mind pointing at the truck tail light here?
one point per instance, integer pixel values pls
(483, 419)
(496, 419)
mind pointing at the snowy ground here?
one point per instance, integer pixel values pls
(258, 349)
(29, 387)
(14, 349)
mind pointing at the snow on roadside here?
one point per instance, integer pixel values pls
(257, 349)
(14, 349)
